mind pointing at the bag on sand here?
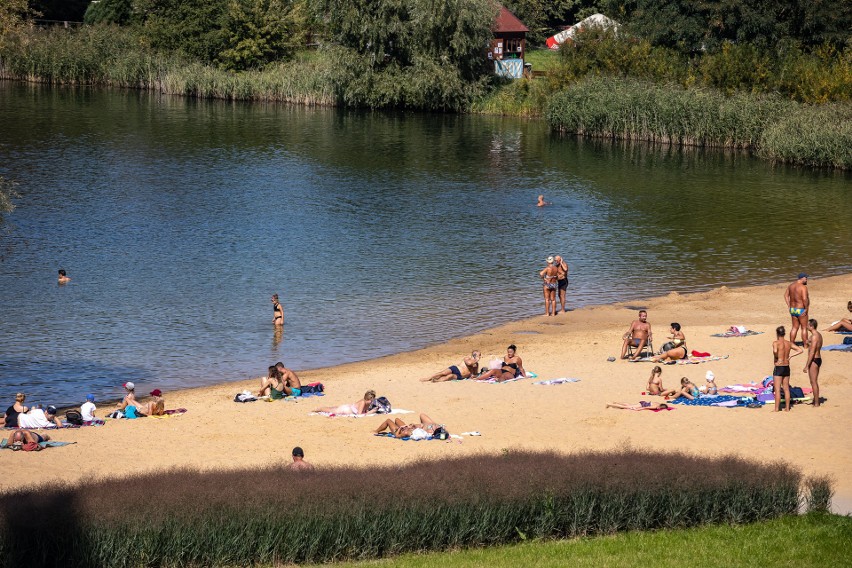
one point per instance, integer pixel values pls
(74, 417)
(381, 405)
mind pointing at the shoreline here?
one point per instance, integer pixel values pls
(218, 433)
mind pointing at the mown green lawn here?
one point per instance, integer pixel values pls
(818, 540)
(542, 59)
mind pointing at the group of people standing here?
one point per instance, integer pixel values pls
(555, 281)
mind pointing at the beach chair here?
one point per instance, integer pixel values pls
(647, 350)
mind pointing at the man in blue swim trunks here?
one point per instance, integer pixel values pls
(798, 303)
(292, 384)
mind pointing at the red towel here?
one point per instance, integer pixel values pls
(699, 354)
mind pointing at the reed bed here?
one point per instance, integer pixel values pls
(276, 515)
(778, 129)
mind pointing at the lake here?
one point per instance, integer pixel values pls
(382, 232)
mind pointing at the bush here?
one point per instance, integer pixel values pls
(222, 518)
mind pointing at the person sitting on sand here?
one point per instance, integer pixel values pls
(400, 429)
(88, 408)
(637, 336)
(356, 408)
(676, 348)
(843, 324)
(655, 383)
(20, 437)
(155, 407)
(129, 398)
(292, 384)
(299, 462)
(688, 390)
(642, 405)
(272, 383)
(468, 368)
(512, 367)
(710, 387)
(16, 409)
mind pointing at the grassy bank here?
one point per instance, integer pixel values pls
(278, 515)
(809, 541)
(777, 129)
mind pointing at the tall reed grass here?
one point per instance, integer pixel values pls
(778, 129)
(277, 515)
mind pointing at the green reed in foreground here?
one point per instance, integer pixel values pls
(277, 515)
(781, 130)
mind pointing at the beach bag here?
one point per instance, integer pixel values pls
(797, 392)
(381, 405)
(74, 417)
(847, 341)
(312, 388)
(130, 412)
(440, 433)
(667, 347)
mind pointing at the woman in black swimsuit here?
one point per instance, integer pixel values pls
(278, 311)
(512, 367)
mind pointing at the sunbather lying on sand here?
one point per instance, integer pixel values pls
(154, 407)
(642, 405)
(400, 429)
(25, 437)
(469, 366)
(360, 407)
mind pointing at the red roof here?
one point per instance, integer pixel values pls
(508, 22)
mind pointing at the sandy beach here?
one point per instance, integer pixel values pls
(219, 433)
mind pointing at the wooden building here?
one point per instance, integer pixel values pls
(509, 45)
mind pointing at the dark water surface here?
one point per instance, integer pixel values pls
(383, 233)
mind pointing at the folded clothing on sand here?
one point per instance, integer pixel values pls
(557, 381)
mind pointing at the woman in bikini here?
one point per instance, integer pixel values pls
(512, 367)
(155, 407)
(400, 429)
(655, 383)
(277, 311)
(688, 390)
(678, 348)
(356, 408)
(550, 275)
(843, 324)
(468, 368)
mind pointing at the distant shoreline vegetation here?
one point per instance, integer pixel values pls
(787, 105)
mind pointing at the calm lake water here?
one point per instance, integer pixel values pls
(383, 232)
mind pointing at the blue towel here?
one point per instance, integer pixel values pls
(710, 400)
(846, 348)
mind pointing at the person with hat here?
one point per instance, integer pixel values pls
(87, 409)
(549, 275)
(155, 407)
(299, 462)
(129, 404)
(38, 418)
(798, 302)
(710, 387)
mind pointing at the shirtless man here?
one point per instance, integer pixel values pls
(561, 280)
(299, 462)
(542, 202)
(781, 373)
(292, 384)
(638, 335)
(798, 303)
(549, 275)
(468, 368)
(814, 359)
(277, 311)
(63, 278)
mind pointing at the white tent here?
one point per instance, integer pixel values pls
(593, 21)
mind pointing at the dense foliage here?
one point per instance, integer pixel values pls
(109, 12)
(221, 519)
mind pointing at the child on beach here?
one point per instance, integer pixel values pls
(87, 410)
(710, 387)
(642, 405)
(688, 390)
(655, 384)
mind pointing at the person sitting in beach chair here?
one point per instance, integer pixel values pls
(641, 405)
(638, 338)
(356, 408)
(843, 324)
(655, 383)
(468, 368)
(674, 349)
(511, 367)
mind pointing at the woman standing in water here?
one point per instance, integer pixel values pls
(277, 310)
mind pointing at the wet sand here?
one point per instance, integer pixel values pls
(218, 433)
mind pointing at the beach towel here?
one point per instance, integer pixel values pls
(689, 361)
(4, 444)
(559, 381)
(737, 331)
(717, 400)
(843, 332)
(651, 409)
(333, 415)
(169, 413)
(493, 381)
(406, 439)
(843, 348)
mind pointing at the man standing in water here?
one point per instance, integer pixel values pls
(638, 335)
(277, 311)
(781, 373)
(798, 302)
(814, 359)
(561, 280)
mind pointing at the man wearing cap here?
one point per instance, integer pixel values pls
(549, 276)
(38, 418)
(87, 410)
(561, 280)
(299, 460)
(798, 303)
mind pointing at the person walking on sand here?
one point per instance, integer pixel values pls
(299, 462)
(638, 335)
(549, 275)
(561, 280)
(781, 373)
(798, 303)
(814, 359)
(542, 202)
(63, 278)
(277, 311)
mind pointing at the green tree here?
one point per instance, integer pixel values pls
(109, 12)
(261, 31)
(547, 17)
(194, 28)
(13, 15)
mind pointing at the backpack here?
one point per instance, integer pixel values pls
(797, 392)
(312, 388)
(74, 417)
(381, 405)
